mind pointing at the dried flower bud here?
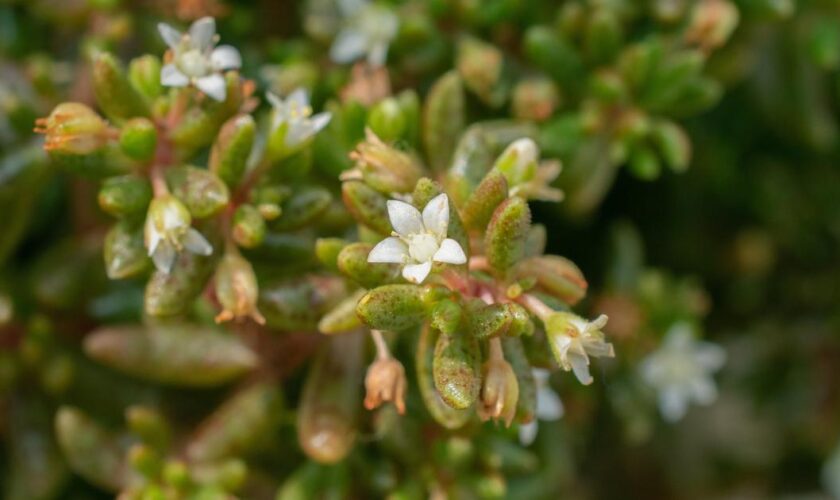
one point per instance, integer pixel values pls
(385, 168)
(236, 289)
(385, 381)
(500, 389)
(73, 128)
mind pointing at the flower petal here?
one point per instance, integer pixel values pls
(170, 35)
(164, 257)
(171, 76)
(549, 405)
(274, 100)
(450, 252)
(703, 390)
(580, 366)
(672, 404)
(405, 218)
(299, 97)
(378, 54)
(196, 243)
(225, 57)
(710, 356)
(389, 250)
(212, 85)
(202, 33)
(347, 46)
(528, 432)
(320, 121)
(416, 273)
(436, 215)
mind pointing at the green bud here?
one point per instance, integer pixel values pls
(124, 251)
(144, 74)
(298, 304)
(456, 368)
(519, 162)
(393, 307)
(554, 275)
(326, 417)
(673, 144)
(443, 119)
(91, 451)
(177, 354)
(241, 425)
(353, 263)
(386, 120)
(446, 316)
(385, 168)
(138, 139)
(301, 208)
(249, 228)
(203, 192)
(172, 294)
(125, 195)
(526, 405)
(236, 289)
(480, 65)
(367, 206)
(535, 99)
(441, 412)
(115, 94)
(149, 425)
(504, 242)
(232, 148)
(328, 249)
(73, 129)
(342, 318)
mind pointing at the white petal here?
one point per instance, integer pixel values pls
(405, 218)
(212, 85)
(528, 432)
(297, 133)
(703, 390)
(320, 121)
(164, 257)
(196, 243)
(202, 33)
(436, 215)
(274, 100)
(226, 57)
(549, 405)
(599, 349)
(672, 404)
(170, 35)
(170, 76)
(300, 98)
(710, 356)
(348, 46)
(580, 365)
(389, 250)
(378, 54)
(416, 273)
(350, 7)
(450, 252)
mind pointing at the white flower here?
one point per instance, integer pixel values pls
(418, 240)
(168, 232)
(293, 118)
(368, 30)
(196, 60)
(573, 339)
(681, 371)
(526, 175)
(549, 407)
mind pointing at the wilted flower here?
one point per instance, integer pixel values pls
(196, 60)
(385, 381)
(168, 232)
(368, 30)
(526, 175)
(681, 371)
(417, 240)
(500, 389)
(549, 406)
(292, 122)
(73, 128)
(236, 289)
(574, 339)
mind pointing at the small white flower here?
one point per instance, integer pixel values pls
(368, 30)
(681, 371)
(294, 116)
(574, 339)
(196, 60)
(549, 407)
(526, 175)
(168, 232)
(418, 240)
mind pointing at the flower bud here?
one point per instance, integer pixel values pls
(73, 128)
(236, 289)
(518, 162)
(385, 381)
(248, 226)
(712, 22)
(386, 120)
(499, 391)
(385, 168)
(444, 118)
(125, 195)
(535, 99)
(138, 139)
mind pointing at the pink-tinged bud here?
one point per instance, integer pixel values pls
(385, 381)
(237, 290)
(73, 128)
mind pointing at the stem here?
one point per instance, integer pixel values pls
(495, 352)
(382, 351)
(478, 263)
(158, 180)
(535, 305)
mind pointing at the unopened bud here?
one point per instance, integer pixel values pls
(518, 162)
(248, 226)
(138, 139)
(535, 99)
(385, 168)
(73, 128)
(236, 289)
(500, 389)
(385, 381)
(387, 120)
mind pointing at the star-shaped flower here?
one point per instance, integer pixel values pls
(418, 240)
(368, 30)
(549, 406)
(574, 339)
(681, 371)
(196, 60)
(168, 232)
(527, 176)
(292, 122)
